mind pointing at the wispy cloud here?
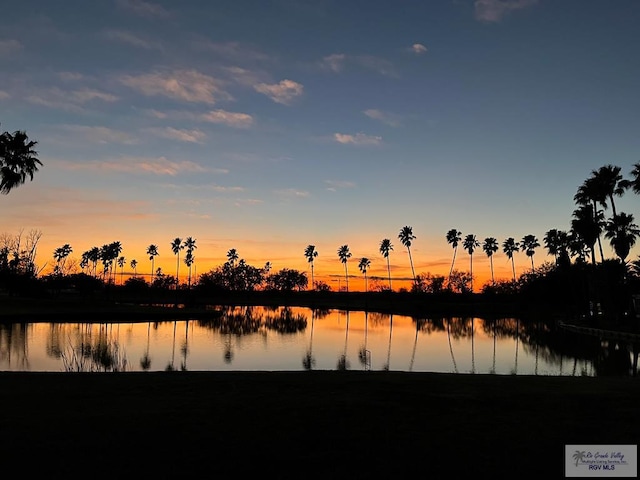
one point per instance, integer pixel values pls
(9, 46)
(186, 85)
(418, 48)
(144, 9)
(496, 10)
(337, 62)
(283, 92)
(291, 192)
(191, 136)
(232, 119)
(384, 117)
(141, 165)
(99, 134)
(333, 185)
(71, 100)
(359, 139)
(131, 39)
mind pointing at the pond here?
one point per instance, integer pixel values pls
(290, 339)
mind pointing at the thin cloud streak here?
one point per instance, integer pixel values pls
(283, 92)
(359, 139)
(185, 85)
(140, 165)
(495, 10)
(182, 135)
(144, 9)
(385, 117)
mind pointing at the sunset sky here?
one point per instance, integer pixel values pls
(266, 126)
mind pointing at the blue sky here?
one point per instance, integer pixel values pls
(266, 126)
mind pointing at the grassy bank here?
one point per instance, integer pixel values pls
(308, 424)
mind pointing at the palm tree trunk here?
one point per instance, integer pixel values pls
(513, 267)
(413, 273)
(346, 276)
(455, 250)
(389, 271)
(491, 261)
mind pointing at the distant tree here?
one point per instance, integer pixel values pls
(134, 265)
(344, 254)
(364, 265)
(453, 238)
(490, 246)
(190, 245)
(152, 251)
(121, 262)
(470, 244)
(528, 244)
(385, 249)
(510, 247)
(406, 236)
(311, 253)
(232, 256)
(288, 280)
(18, 160)
(60, 255)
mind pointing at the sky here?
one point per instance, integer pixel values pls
(266, 126)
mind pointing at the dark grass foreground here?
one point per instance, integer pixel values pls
(325, 424)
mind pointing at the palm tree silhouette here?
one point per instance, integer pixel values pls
(557, 244)
(509, 247)
(190, 245)
(60, 255)
(622, 234)
(634, 182)
(311, 253)
(176, 246)
(385, 248)
(588, 227)
(470, 244)
(344, 254)
(17, 160)
(406, 236)
(152, 251)
(134, 265)
(490, 246)
(121, 262)
(590, 194)
(453, 238)
(232, 256)
(609, 182)
(579, 456)
(528, 244)
(364, 264)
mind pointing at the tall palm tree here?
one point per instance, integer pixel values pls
(591, 194)
(588, 227)
(406, 236)
(152, 251)
(176, 246)
(344, 254)
(470, 244)
(364, 265)
(18, 160)
(610, 183)
(134, 265)
(121, 262)
(453, 238)
(311, 253)
(528, 244)
(509, 247)
(622, 234)
(634, 182)
(556, 243)
(385, 249)
(490, 246)
(190, 245)
(60, 255)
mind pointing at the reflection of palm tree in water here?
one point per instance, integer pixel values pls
(473, 355)
(184, 349)
(170, 366)
(388, 364)
(145, 361)
(493, 368)
(364, 354)
(453, 359)
(308, 361)
(342, 361)
(515, 370)
(228, 352)
(415, 344)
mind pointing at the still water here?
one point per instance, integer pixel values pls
(261, 338)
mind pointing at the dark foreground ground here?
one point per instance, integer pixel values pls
(306, 424)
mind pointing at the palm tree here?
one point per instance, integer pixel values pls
(453, 238)
(17, 160)
(609, 182)
(134, 265)
(190, 245)
(152, 251)
(364, 264)
(176, 246)
(490, 246)
(344, 254)
(114, 250)
(622, 234)
(406, 236)
(121, 262)
(509, 247)
(385, 248)
(590, 194)
(528, 244)
(470, 243)
(232, 257)
(588, 227)
(311, 253)
(634, 182)
(60, 255)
